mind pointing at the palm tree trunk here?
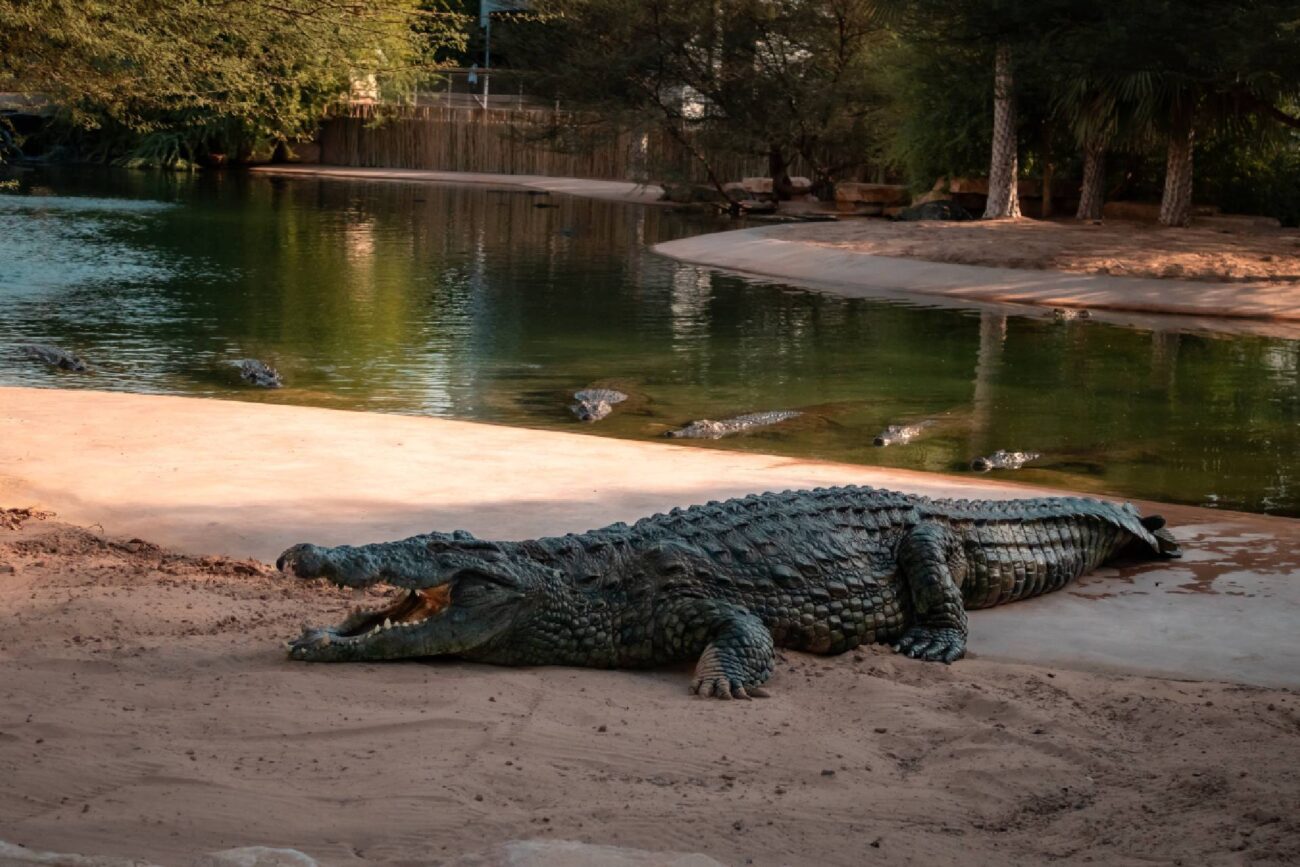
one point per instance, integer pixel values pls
(1176, 203)
(1092, 194)
(1004, 193)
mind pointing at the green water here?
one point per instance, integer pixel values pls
(468, 303)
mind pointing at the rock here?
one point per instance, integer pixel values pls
(255, 856)
(944, 209)
(800, 186)
(757, 186)
(567, 853)
(871, 194)
(736, 190)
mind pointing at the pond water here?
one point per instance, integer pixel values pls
(471, 303)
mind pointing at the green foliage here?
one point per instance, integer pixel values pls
(207, 75)
(777, 78)
(1247, 175)
(940, 123)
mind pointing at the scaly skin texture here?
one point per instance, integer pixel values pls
(55, 357)
(1003, 460)
(901, 434)
(709, 429)
(593, 404)
(259, 373)
(723, 584)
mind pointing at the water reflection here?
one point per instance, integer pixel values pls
(472, 303)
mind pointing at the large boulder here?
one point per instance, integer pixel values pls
(800, 186)
(757, 186)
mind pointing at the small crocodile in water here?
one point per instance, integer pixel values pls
(55, 357)
(1065, 314)
(1003, 460)
(259, 373)
(593, 404)
(707, 429)
(902, 434)
(723, 584)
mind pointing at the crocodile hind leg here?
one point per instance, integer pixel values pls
(735, 649)
(932, 565)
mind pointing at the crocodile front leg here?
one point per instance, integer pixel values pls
(932, 565)
(735, 649)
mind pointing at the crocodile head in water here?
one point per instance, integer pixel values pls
(455, 596)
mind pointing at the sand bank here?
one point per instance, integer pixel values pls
(792, 252)
(248, 480)
(625, 191)
(147, 709)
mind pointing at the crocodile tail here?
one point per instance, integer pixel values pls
(1166, 545)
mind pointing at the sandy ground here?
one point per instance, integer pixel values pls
(180, 472)
(147, 710)
(1117, 247)
(807, 254)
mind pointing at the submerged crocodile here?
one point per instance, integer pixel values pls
(593, 404)
(259, 373)
(55, 357)
(1066, 314)
(902, 434)
(723, 584)
(708, 429)
(1003, 460)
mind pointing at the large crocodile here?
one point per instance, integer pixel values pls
(708, 429)
(821, 571)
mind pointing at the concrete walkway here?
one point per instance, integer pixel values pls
(624, 191)
(245, 479)
(765, 251)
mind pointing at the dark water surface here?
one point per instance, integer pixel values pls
(470, 303)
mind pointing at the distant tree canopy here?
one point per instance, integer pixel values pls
(173, 80)
(776, 78)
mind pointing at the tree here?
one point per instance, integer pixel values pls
(190, 76)
(776, 78)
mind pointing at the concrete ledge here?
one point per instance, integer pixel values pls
(765, 252)
(244, 479)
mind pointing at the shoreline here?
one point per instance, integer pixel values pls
(1262, 307)
(762, 251)
(149, 710)
(188, 482)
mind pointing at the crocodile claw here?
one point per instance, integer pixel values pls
(932, 644)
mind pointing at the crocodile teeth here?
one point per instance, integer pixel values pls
(388, 623)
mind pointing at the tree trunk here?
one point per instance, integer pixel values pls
(1004, 193)
(778, 171)
(1046, 211)
(1092, 194)
(1176, 203)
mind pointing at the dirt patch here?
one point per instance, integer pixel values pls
(1118, 248)
(147, 709)
(13, 519)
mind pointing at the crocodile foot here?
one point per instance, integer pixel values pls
(720, 687)
(933, 643)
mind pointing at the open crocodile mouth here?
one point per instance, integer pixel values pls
(410, 610)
